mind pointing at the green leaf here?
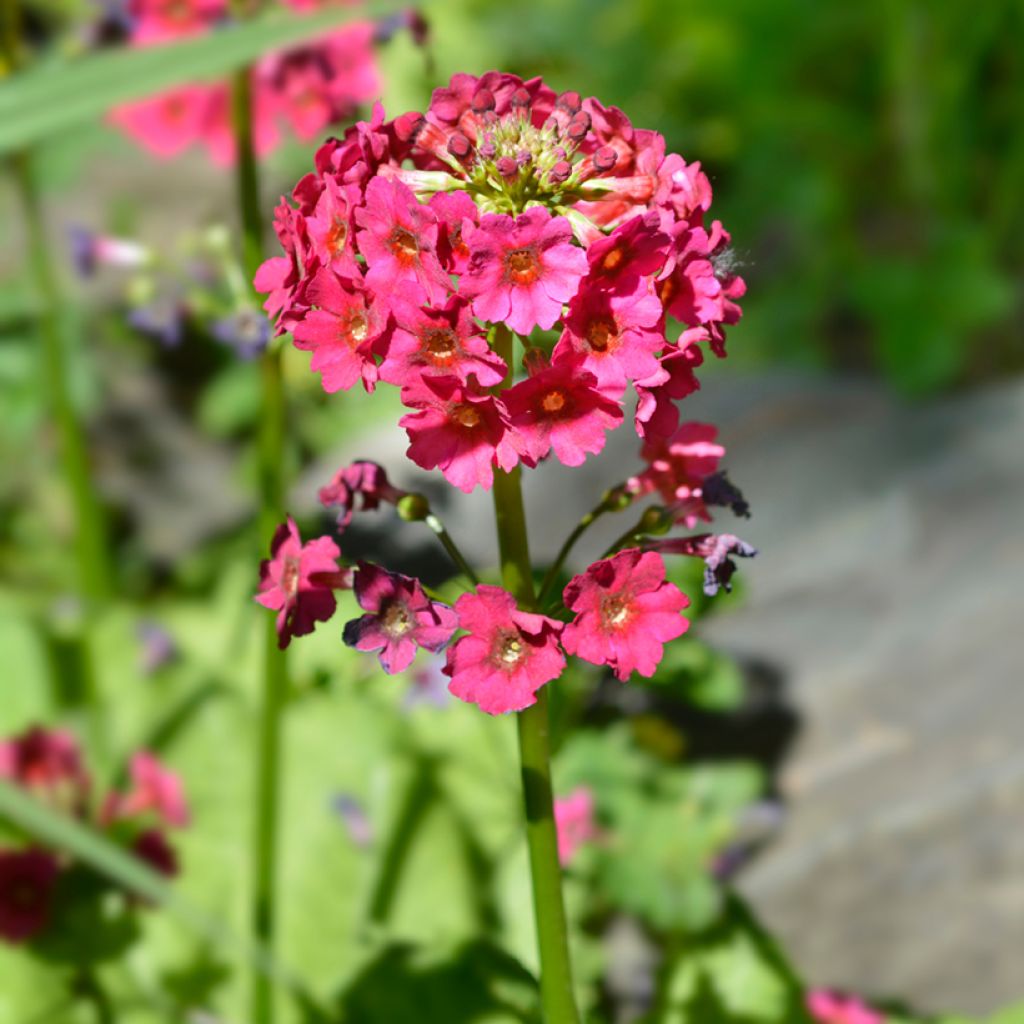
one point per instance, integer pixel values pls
(731, 974)
(57, 94)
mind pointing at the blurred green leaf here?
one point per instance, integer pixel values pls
(56, 94)
(731, 974)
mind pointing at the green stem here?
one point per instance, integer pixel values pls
(94, 567)
(535, 752)
(451, 547)
(272, 494)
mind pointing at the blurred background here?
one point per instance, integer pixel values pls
(868, 160)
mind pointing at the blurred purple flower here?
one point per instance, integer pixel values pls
(354, 818)
(157, 647)
(429, 685)
(90, 250)
(163, 319)
(246, 331)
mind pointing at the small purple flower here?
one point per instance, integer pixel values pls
(163, 319)
(157, 647)
(716, 549)
(718, 489)
(401, 618)
(353, 816)
(246, 331)
(90, 251)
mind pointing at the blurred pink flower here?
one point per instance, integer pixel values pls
(574, 820)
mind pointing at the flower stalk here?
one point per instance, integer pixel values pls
(271, 512)
(533, 724)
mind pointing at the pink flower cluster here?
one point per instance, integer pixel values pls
(49, 765)
(411, 253)
(306, 88)
(505, 204)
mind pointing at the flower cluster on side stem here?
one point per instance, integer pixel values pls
(412, 245)
(49, 765)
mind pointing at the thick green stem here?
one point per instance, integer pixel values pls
(94, 568)
(535, 753)
(271, 513)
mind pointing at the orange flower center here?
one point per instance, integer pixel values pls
(440, 344)
(466, 416)
(554, 401)
(290, 576)
(602, 332)
(403, 244)
(522, 266)
(612, 258)
(337, 236)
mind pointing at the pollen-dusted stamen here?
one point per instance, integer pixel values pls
(395, 619)
(615, 611)
(602, 332)
(466, 416)
(440, 343)
(509, 650)
(522, 266)
(358, 327)
(290, 575)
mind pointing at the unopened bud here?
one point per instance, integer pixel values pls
(569, 102)
(605, 158)
(507, 167)
(459, 146)
(654, 520)
(488, 150)
(560, 172)
(617, 499)
(577, 130)
(520, 99)
(483, 100)
(408, 126)
(413, 508)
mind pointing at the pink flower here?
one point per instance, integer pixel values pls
(832, 1008)
(341, 332)
(625, 612)
(634, 250)
(560, 409)
(454, 211)
(331, 229)
(154, 790)
(27, 880)
(574, 821)
(698, 285)
(365, 480)
(169, 123)
(506, 656)
(283, 278)
(522, 271)
(401, 618)
(48, 762)
(298, 581)
(459, 429)
(399, 240)
(159, 21)
(657, 413)
(617, 336)
(677, 468)
(434, 342)
(716, 549)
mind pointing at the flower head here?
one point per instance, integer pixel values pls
(506, 656)
(716, 549)
(625, 612)
(828, 1007)
(522, 270)
(459, 429)
(574, 822)
(401, 618)
(27, 880)
(49, 762)
(298, 581)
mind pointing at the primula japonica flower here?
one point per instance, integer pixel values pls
(366, 481)
(341, 332)
(677, 468)
(439, 342)
(398, 237)
(298, 581)
(657, 410)
(506, 656)
(459, 429)
(716, 549)
(522, 270)
(401, 618)
(561, 409)
(625, 612)
(27, 880)
(154, 790)
(574, 822)
(833, 1008)
(49, 763)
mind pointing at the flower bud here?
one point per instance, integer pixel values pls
(569, 102)
(483, 100)
(507, 167)
(459, 146)
(520, 99)
(605, 158)
(560, 172)
(413, 508)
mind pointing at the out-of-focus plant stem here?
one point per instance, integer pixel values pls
(271, 513)
(556, 986)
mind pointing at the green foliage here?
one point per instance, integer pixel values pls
(733, 973)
